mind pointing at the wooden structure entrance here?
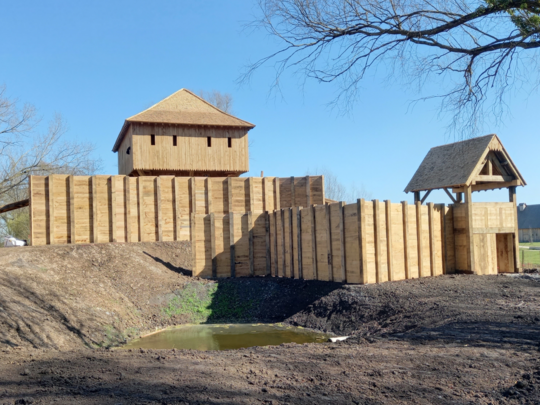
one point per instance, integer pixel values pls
(486, 234)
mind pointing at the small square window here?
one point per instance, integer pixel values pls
(229, 142)
(209, 141)
(152, 139)
(174, 141)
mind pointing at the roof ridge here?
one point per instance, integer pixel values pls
(465, 140)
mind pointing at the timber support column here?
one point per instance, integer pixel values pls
(469, 229)
(513, 199)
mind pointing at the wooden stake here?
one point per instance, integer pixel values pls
(72, 236)
(268, 250)
(251, 195)
(140, 208)
(128, 208)
(515, 236)
(232, 243)
(208, 192)
(419, 237)
(329, 242)
(277, 202)
(250, 241)
(159, 209)
(389, 249)
(112, 196)
(322, 188)
(193, 194)
(95, 230)
(442, 209)
(362, 241)
(213, 244)
(193, 226)
(431, 239)
(314, 243)
(308, 191)
(299, 235)
(51, 209)
(378, 231)
(230, 194)
(342, 241)
(406, 253)
(291, 239)
(284, 261)
(469, 230)
(292, 192)
(30, 209)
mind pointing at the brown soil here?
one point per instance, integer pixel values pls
(445, 340)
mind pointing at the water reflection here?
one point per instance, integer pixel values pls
(225, 337)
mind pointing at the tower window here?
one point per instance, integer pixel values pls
(128, 150)
(152, 139)
(174, 141)
(229, 142)
(209, 141)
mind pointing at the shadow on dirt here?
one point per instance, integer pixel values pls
(170, 266)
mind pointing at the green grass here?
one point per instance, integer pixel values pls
(536, 244)
(530, 258)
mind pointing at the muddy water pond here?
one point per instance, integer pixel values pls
(226, 337)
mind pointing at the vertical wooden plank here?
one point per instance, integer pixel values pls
(276, 256)
(308, 191)
(419, 237)
(95, 230)
(442, 218)
(112, 191)
(291, 239)
(389, 250)
(342, 242)
(128, 208)
(431, 239)
(177, 212)
(407, 256)
(230, 194)
(362, 239)
(208, 192)
(313, 242)
(277, 203)
(292, 192)
(213, 244)
(284, 261)
(159, 209)
(377, 221)
(299, 241)
(51, 208)
(322, 189)
(251, 194)
(264, 194)
(31, 208)
(72, 236)
(250, 240)
(231, 239)
(140, 212)
(329, 242)
(268, 255)
(469, 230)
(193, 237)
(515, 235)
(193, 195)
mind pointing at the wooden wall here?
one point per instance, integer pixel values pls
(529, 235)
(365, 242)
(83, 209)
(191, 153)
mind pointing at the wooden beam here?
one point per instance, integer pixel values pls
(232, 244)
(450, 195)
(425, 196)
(416, 196)
(469, 230)
(431, 238)
(512, 196)
(128, 208)
(322, 189)
(494, 229)
(277, 202)
(112, 196)
(30, 209)
(362, 241)
(140, 209)
(292, 192)
(378, 233)
(51, 208)
(276, 255)
(72, 235)
(95, 230)
(159, 209)
(193, 194)
(15, 205)
(250, 242)
(213, 244)
(314, 243)
(488, 186)
(442, 209)
(406, 253)
(291, 241)
(193, 238)
(299, 236)
(459, 197)
(208, 192)
(420, 248)
(329, 242)
(389, 249)
(493, 178)
(251, 194)
(308, 191)
(284, 261)
(490, 167)
(267, 241)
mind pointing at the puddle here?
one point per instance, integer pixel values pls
(226, 337)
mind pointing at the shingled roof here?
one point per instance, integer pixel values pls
(456, 164)
(529, 217)
(183, 108)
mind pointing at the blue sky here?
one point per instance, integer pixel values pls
(100, 62)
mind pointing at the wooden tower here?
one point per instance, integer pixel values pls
(486, 234)
(183, 135)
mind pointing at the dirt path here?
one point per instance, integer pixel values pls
(445, 340)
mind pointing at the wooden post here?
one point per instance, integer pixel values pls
(442, 207)
(264, 194)
(329, 242)
(51, 208)
(431, 239)
(250, 241)
(299, 242)
(177, 213)
(515, 236)
(140, 208)
(128, 208)
(277, 202)
(308, 191)
(159, 209)
(72, 236)
(193, 194)
(193, 226)
(208, 189)
(276, 256)
(251, 195)
(284, 261)
(95, 230)
(30, 209)
(268, 251)
(314, 242)
(112, 191)
(213, 244)
(417, 196)
(232, 244)
(459, 197)
(292, 192)
(362, 242)
(291, 239)
(389, 249)
(342, 241)
(377, 221)
(230, 194)
(406, 254)
(469, 230)
(419, 237)
(322, 188)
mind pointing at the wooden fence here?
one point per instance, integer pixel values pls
(92, 209)
(364, 242)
